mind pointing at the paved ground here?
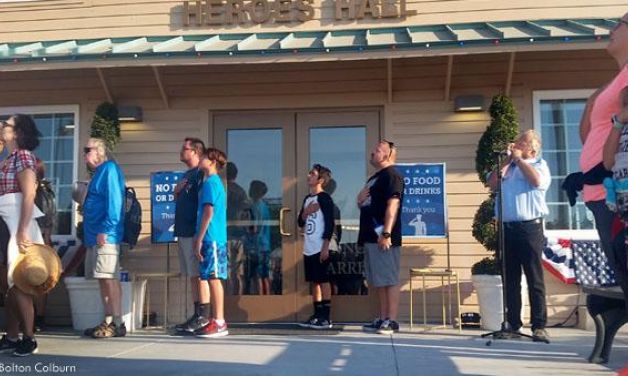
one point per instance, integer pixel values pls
(350, 352)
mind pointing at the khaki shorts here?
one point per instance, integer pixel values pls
(188, 263)
(102, 262)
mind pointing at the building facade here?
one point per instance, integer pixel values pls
(282, 84)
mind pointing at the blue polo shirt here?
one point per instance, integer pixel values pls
(213, 193)
(103, 210)
(522, 200)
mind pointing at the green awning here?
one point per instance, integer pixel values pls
(434, 37)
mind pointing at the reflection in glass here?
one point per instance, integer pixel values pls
(343, 150)
(254, 198)
(560, 120)
(558, 217)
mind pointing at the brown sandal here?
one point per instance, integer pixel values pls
(104, 330)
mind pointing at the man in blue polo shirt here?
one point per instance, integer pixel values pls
(525, 181)
(103, 227)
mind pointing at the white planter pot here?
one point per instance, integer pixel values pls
(489, 289)
(490, 298)
(87, 308)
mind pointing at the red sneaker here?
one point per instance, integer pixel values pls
(213, 330)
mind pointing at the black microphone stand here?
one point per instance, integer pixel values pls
(506, 331)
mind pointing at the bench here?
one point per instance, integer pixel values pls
(607, 307)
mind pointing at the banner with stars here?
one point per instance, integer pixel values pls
(162, 205)
(424, 211)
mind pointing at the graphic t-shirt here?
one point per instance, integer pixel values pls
(318, 226)
(213, 193)
(384, 185)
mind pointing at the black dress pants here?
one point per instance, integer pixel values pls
(524, 245)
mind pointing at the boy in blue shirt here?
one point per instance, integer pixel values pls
(210, 245)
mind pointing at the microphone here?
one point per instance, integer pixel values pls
(502, 153)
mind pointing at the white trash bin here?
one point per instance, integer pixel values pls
(87, 308)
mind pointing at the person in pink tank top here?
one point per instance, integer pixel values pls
(615, 153)
(595, 128)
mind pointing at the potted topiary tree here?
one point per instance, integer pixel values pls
(486, 273)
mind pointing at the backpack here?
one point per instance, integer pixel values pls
(132, 217)
(45, 201)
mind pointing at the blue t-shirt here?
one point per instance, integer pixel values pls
(103, 209)
(187, 204)
(261, 216)
(213, 193)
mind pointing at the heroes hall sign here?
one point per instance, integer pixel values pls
(234, 12)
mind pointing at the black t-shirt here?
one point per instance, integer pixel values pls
(384, 185)
(187, 203)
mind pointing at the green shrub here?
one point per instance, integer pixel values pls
(106, 124)
(503, 130)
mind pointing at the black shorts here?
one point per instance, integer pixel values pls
(315, 270)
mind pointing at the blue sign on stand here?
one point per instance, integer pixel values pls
(424, 211)
(163, 205)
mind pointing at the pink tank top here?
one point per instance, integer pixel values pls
(605, 105)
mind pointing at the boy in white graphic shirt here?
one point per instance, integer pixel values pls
(317, 219)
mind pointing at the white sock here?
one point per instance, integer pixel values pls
(220, 322)
(108, 319)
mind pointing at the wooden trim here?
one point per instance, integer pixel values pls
(390, 79)
(511, 68)
(103, 82)
(162, 90)
(450, 67)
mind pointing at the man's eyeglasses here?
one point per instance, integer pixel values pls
(87, 150)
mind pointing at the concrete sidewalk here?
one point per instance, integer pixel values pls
(350, 352)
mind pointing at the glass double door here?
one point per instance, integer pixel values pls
(270, 154)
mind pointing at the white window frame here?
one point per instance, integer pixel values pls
(70, 108)
(537, 97)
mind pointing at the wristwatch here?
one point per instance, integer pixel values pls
(617, 124)
(386, 235)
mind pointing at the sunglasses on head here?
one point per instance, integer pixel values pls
(391, 146)
(320, 168)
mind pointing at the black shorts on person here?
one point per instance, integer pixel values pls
(315, 270)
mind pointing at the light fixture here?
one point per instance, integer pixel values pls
(130, 113)
(468, 103)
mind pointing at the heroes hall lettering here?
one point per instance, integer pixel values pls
(233, 12)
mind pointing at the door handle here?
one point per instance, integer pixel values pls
(281, 218)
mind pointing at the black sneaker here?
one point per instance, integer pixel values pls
(394, 325)
(8, 346)
(309, 323)
(40, 324)
(186, 326)
(372, 327)
(119, 331)
(198, 323)
(322, 324)
(26, 347)
(386, 327)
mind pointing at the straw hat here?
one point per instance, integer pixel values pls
(37, 269)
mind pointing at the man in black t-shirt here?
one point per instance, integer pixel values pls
(186, 194)
(380, 234)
